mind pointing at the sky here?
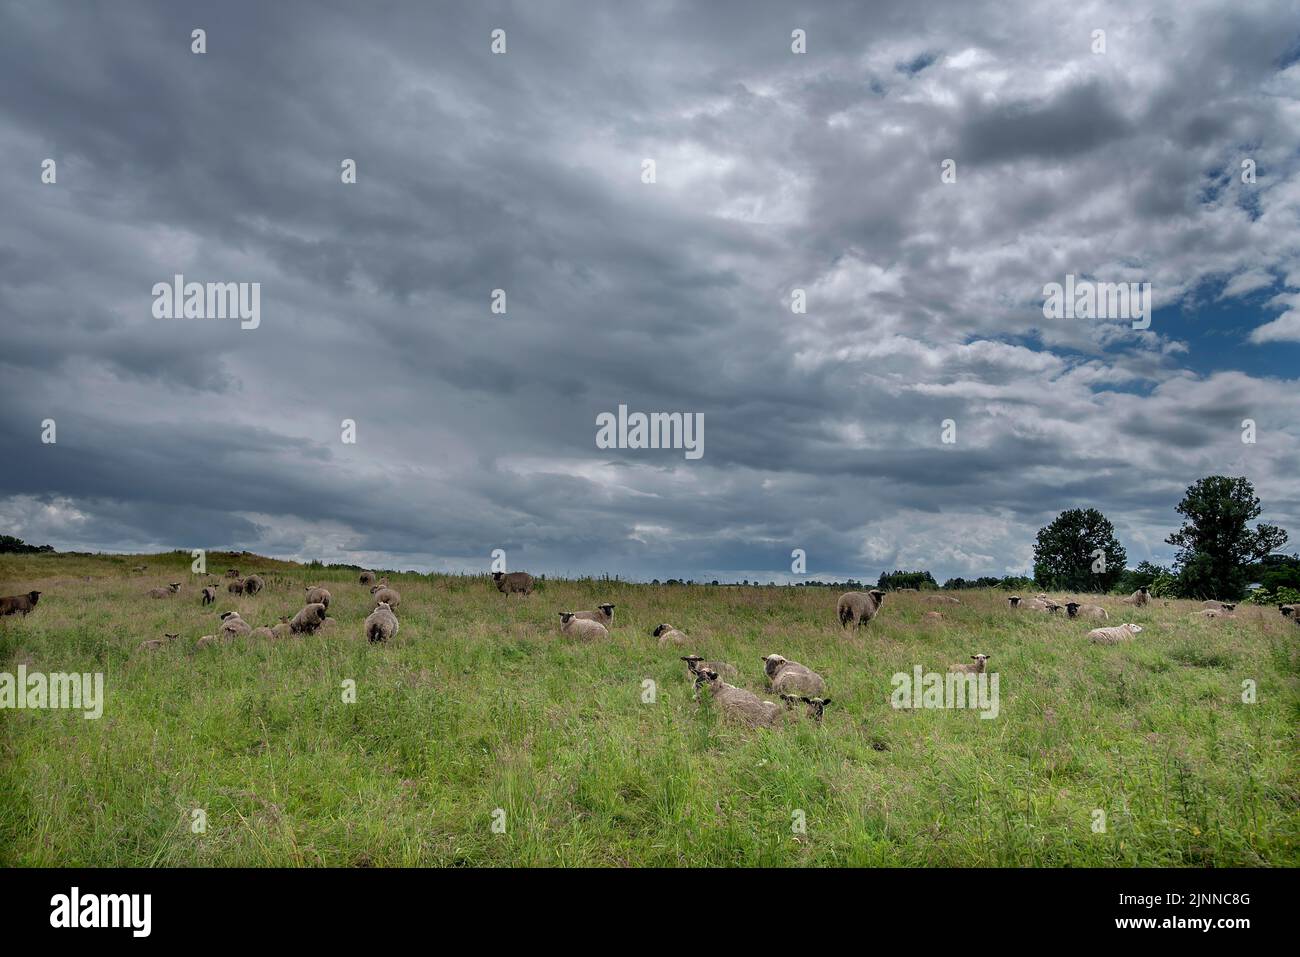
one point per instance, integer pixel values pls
(525, 171)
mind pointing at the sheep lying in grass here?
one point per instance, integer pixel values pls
(790, 676)
(318, 595)
(1138, 598)
(603, 614)
(1112, 636)
(1031, 604)
(668, 635)
(1213, 613)
(386, 595)
(816, 706)
(153, 644)
(209, 595)
(975, 669)
(207, 641)
(582, 628)
(167, 592)
(694, 664)
(367, 578)
(253, 584)
(1227, 606)
(19, 604)
(308, 619)
(1075, 610)
(737, 704)
(381, 624)
(232, 625)
(943, 599)
(859, 607)
(513, 583)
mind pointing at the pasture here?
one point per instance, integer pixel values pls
(480, 713)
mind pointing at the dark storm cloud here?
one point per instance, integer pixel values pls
(522, 172)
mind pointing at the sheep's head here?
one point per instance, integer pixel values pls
(565, 616)
(375, 588)
(980, 660)
(497, 576)
(170, 637)
(816, 707)
(705, 676)
(1072, 609)
(771, 664)
(607, 608)
(1143, 589)
(175, 586)
(1132, 628)
(878, 595)
(692, 661)
(659, 630)
(791, 700)
(1014, 601)
(1229, 607)
(229, 614)
(33, 595)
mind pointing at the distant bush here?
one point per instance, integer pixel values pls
(16, 546)
(1273, 596)
(891, 581)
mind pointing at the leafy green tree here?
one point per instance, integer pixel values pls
(899, 579)
(1066, 553)
(1216, 542)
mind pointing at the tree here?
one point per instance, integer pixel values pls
(891, 581)
(1066, 553)
(1215, 542)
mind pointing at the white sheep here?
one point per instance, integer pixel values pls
(737, 703)
(582, 628)
(668, 635)
(975, 669)
(381, 624)
(1111, 636)
(790, 676)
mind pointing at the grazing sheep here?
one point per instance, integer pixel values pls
(603, 614)
(858, 608)
(816, 706)
(236, 587)
(232, 572)
(975, 669)
(232, 625)
(1138, 598)
(581, 627)
(253, 584)
(381, 624)
(367, 578)
(389, 596)
(1075, 610)
(308, 619)
(318, 595)
(668, 635)
(509, 584)
(153, 644)
(209, 595)
(167, 592)
(19, 604)
(694, 664)
(790, 676)
(737, 703)
(1111, 636)
(1227, 606)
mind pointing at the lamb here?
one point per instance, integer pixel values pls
(975, 669)
(209, 595)
(737, 703)
(381, 624)
(19, 604)
(253, 584)
(790, 676)
(695, 664)
(1075, 610)
(603, 614)
(1112, 636)
(167, 592)
(318, 595)
(581, 627)
(233, 626)
(308, 619)
(388, 596)
(232, 572)
(153, 644)
(1227, 606)
(236, 587)
(858, 608)
(816, 706)
(1138, 598)
(668, 635)
(509, 584)
(367, 578)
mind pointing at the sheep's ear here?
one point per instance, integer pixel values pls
(825, 702)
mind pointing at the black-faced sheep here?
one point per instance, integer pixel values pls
(791, 677)
(253, 584)
(859, 607)
(153, 644)
(19, 604)
(232, 625)
(1227, 606)
(694, 664)
(209, 595)
(308, 619)
(582, 628)
(513, 583)
(367, 578)
(668, 635)
(381, 624)
(167, 592)
(737, 704)
(1076, 610)
(816, 706)
(604, 614)
(1138, 598)
(232, 572)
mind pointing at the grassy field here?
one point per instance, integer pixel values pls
(479, 704)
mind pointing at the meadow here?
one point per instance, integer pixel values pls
(479, 712)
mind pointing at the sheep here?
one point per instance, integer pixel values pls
(209, 595)
(308, 619)
(1111, 636)
(19, 604)
(153, 644)
(737, 703)
(789, 676)
(932, 616)
(668, 635)
(944, 599)
(232, 572)
(140, 568)
(509, 584)
(816, 706)
(1227, 606)
(232, 625)
(975, 669)
(1075, 610)
(253, 584)
(1213, 613)
(318, 595)
(167, 592)
(1138, 598)
(282, 629)
(603, 614)
(263, 631)
(389, 596)
(236, 587)
(381, 624)
(858, 608)
(1029, 604)
(1289, 611)
(694, 664)
(367, 578)
(581, 627)
(207, 641)
(328, 623)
